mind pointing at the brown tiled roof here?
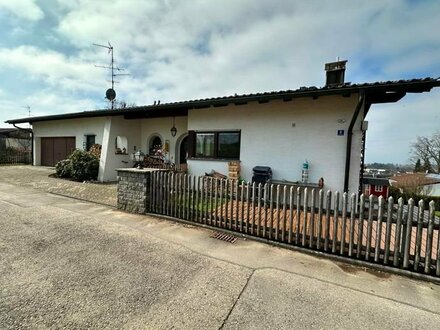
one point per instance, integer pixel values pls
(377, 92)
(412, 180)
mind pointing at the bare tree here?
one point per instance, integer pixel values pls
(427, 149)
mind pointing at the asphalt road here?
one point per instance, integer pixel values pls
(72, 264)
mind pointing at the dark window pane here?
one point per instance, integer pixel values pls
(90, 140)
(229, 145)
(204, 144)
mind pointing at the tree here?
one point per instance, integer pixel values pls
(418, 166)
(427, 149)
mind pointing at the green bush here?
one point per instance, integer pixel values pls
(64, 168)
(80, 166)
(396, 194)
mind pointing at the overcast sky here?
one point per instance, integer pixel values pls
(180, 50)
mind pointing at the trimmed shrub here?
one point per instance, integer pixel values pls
(80, 166)
(396, 194)
(64, 168)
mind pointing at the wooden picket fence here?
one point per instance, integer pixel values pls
(375, 230)
(15, 157)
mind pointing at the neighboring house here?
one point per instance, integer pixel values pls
(375, 186)
(14, 138)
(324, 126)
(419, 183)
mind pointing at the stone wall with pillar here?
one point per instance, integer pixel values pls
(134, 189)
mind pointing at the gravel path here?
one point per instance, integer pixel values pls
(38, 177)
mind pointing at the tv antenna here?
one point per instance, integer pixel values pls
(29, 111)
(110, 94)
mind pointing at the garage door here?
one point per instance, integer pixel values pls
(54, 149)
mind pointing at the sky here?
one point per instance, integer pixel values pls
(182, 50)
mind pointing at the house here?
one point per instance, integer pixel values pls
(281, 130)
(375, 186)
(418, 183)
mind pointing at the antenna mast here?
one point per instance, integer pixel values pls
(110, 93)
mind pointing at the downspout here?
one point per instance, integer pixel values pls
(32, 141)
(349, 138)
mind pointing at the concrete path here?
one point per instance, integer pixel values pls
(72, 264)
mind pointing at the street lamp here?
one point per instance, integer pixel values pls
(139, 158)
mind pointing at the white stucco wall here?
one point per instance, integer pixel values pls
(110, 161)
(284, 134)
(161, 127)
(68, 127)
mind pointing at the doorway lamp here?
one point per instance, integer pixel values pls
(173, 129)
(139, 159)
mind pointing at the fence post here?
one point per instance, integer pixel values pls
(361, 226)
(327, 219)
(388, 229)
(278, 212)
(335, 222)
(419, 233)
(344, 222)
(216, 220)
(298, 215)
(259, 210)
(270, 211)
(379, 229)
(291, 207)
(253, 209)
(312, 217)
(242, 206)
(306, 202)
(283, 226)
(248, 217)
(398, 242)
(265, 209)
(320, 203)
(428, 251)
(237, 204)
(408, 230)
(352, 224)
(369, 227)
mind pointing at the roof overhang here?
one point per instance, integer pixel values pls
(378, 92)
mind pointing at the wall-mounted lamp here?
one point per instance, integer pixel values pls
(173, 129)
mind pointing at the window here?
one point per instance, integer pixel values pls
(217, 145)
(121, 145)
(205, 145)
(89, 141)
(378, 188)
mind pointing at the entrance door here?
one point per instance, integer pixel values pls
(54, 149)
(183, 152)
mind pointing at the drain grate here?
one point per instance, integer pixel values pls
(224, 237)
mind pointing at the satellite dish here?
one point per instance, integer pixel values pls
(110, 94)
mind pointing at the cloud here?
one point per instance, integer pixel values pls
(27, 9)
(53, 68)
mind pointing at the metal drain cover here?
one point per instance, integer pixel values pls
(224, 237)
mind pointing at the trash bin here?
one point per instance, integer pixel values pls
(261, 174)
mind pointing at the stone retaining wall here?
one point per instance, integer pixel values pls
(134, 189)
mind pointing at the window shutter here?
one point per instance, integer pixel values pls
(191, 144)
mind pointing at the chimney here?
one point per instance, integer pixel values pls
(335, 72)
